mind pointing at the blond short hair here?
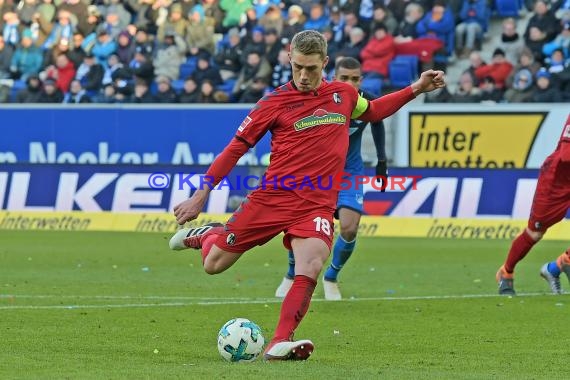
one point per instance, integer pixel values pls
(309, 42)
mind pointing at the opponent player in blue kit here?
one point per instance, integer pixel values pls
(350, 198)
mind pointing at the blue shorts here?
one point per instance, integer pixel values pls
(351, 198)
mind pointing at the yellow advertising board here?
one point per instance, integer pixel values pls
(472, 140)
(370, 226)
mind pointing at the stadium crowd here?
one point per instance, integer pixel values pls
(219, 51)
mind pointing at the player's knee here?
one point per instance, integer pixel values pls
(349, 234)
(535, 235)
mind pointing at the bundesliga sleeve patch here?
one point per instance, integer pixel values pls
(244, 123)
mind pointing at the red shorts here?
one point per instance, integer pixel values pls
(552, 196)
(264, 214)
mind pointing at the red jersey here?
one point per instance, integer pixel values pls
(309, 138)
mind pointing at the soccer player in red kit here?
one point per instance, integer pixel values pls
(308, 119)
(549, 206)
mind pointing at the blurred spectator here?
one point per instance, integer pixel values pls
(206, 93)
(41, 24)
(561, 41)
(76, 94)
(200, 35)
(104, 46)
(235, 11)
(90, 74)
(499, 69)
(116, 16)
(165, 93)
(63, 71)
(378, 52)
(556, 62)
(204, 71)
(526, 61)
(439, 23)
(489, 92)
(11, 30)
(398, 8)
(255, 67)
(332, 48)
(50, 93)
(336, 25)
(170, 56)
(561, 9)
(32, 92)
(521, 90)
(357, 42)
(365, 12)
(214, 14)
(142, 68)
(350, 22)
(125, 48)
(382, 15)
(476, 62)
(511, 43)
(62, 31)
(294, 22)
(473, 22)
(541, 28)
(143, 43)
(189, 92)
(406, 31)
(76, 52)
(544, 92)
(6, 53)
(27, 58)
(255, 43)
(255, 91)
(145, 14)
(466, 91)
(272, 46)
(228, 58)
(407, 41)
(26, 10)
(272, 19)
(113, 65)
(175, 23)
(282, 72)
(317, 17)
(106, 95)
(78, 9)
(142, 93)
(94, 18)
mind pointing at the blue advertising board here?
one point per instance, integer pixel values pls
(439, 193)
(122, 135)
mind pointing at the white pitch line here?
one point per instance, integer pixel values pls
(225, 301)
(106, 297)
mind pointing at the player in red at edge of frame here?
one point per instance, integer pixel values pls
(308, 119)
(549, 206)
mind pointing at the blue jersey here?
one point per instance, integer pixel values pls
(354, 164)
(353, 197)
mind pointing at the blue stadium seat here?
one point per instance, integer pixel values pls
(16, 87)
(186, 69)
(373, 85)
(401, 74)
(412, 60)
(177, 85)
(507, 8)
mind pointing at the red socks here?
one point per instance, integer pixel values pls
(519, 248)
(294, 307)
(208, 240)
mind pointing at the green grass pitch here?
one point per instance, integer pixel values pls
(122, 306)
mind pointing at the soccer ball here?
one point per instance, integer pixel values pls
(240, 340)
